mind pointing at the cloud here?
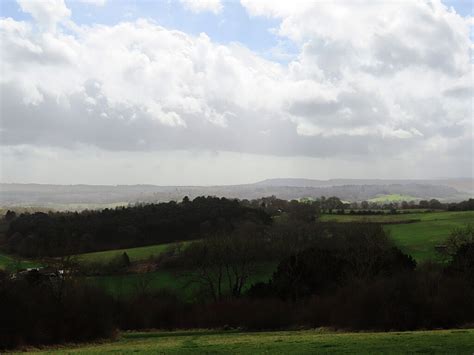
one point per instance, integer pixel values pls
(197, 6)
(47, 13)
(94, 2)
(370, 81)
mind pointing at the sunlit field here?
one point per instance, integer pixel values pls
(416, 234)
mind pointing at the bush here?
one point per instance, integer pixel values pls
(321, 270)
(36, 314)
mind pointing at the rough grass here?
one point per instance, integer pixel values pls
(420, 237)
(283, 342)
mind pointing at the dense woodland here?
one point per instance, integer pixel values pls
(342, 275)
(55, 234)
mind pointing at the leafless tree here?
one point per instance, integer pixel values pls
(223, 263)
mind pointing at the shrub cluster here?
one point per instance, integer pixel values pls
(35, 312)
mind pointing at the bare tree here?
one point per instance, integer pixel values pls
(223, 263)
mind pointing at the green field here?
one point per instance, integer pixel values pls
(135, 254)
(9, 262)
(419, 238)
(283, 342)
(392, 198)
(129, 284)
(385, 218)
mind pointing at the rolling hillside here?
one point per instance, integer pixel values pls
(77, 197)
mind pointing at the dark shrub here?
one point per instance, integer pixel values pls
(317, 270)
(36, 313)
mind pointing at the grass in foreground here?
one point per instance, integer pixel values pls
(285, 342)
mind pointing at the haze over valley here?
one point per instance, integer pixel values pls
(353, 190)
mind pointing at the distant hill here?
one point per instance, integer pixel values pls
(92, 196)
(460, 184)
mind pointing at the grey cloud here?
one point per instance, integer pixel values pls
(350, 109)
(459, 92)
(129, 128)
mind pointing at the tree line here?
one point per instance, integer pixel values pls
(63, 233)
(333, 204)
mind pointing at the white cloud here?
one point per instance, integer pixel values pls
(93, 2)
(379, 81)
(47, 13)
(197, 6)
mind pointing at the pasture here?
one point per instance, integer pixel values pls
(175, 282)
(416, 234)
(130, 284)
(14, 263)
(392, 198)
(135, 254)
(282, 342)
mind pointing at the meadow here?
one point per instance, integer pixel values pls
(416, 234)
(10, 262)
(282, 342)
(135, 254)
(177, 283)
(392, 198)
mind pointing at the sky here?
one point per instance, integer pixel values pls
(206, 92)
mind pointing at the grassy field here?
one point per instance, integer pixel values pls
(419, 238)
(284, 342)
(385, 218)
(135, 254)
(392, 198)
(128, 284)
(9, 262)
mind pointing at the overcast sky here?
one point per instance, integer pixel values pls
(221, 92)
